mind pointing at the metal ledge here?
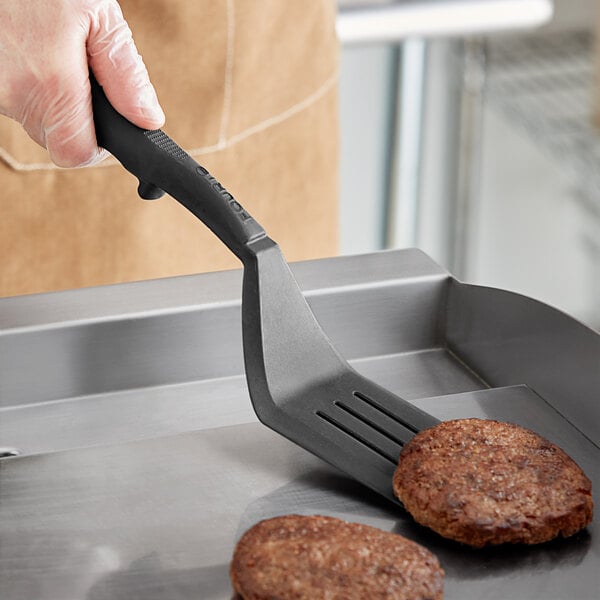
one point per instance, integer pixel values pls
(368, 22)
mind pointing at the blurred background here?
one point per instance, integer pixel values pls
(468, 131)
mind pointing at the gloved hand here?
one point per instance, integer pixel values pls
(45, 49)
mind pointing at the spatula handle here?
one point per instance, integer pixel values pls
(162, 166)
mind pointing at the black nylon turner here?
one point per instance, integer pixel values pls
(299, 384)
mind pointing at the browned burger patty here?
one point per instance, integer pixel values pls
(314, 557)
(484, 482)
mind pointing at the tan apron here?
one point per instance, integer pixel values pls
(249, 89)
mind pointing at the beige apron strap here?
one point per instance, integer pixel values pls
(249, 89)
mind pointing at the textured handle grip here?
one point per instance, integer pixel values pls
(160, 164)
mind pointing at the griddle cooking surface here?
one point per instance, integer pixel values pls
(158, 519)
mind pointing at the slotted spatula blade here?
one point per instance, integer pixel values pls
(299, 384)
(301, 387)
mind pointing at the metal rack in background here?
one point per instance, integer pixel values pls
(544, 84)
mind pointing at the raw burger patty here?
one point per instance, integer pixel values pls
(484, 482)
(312, 557)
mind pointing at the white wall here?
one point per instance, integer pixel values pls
(534, 235)
(365, 112)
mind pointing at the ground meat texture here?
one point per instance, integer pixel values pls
(323, 558)
(485, 482)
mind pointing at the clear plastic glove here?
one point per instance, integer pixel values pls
(46, 47)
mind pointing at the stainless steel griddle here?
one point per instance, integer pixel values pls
(141, 461)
